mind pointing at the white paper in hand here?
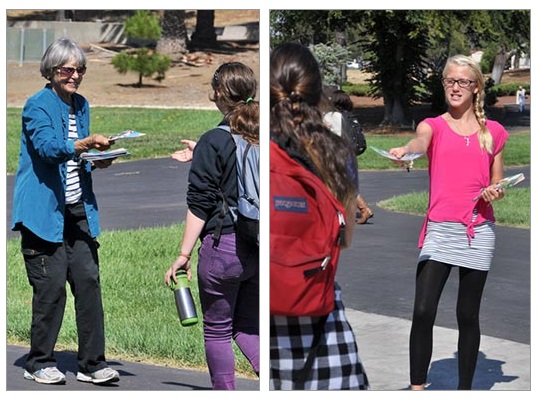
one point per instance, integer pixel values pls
(407, 157)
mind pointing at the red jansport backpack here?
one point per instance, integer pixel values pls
(306, 232)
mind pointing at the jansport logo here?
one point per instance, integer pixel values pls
(290, 204)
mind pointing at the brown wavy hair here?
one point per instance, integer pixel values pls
(235, 85)
(295, 94)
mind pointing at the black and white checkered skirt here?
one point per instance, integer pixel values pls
(337, 365)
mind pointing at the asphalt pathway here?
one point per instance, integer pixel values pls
(376, 274)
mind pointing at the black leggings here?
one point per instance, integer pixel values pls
(430, 280)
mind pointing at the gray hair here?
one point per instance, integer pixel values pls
(58, 53)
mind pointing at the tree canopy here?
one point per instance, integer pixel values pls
(405, 50)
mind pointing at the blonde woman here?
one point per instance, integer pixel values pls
(465, 153)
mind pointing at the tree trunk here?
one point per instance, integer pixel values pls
(173, 41)
(340, 39)
(393, 112)
(61, 15)
(394, 101)
(204, 34)
(497, 69)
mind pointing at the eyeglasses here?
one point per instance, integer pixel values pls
(464, 83)
(68, 71)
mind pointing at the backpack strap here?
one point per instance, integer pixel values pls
(220, 220)
(300, 376)
(246, 195)
(224, 209)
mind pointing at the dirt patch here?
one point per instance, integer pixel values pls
(187, 84)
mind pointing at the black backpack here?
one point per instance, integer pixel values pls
(353, 132)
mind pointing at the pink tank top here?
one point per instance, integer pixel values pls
(458, 170)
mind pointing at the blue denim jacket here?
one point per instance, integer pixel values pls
(40, 182)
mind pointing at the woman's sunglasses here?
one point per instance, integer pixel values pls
(68, 71)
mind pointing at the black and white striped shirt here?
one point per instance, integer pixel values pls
(73, 189)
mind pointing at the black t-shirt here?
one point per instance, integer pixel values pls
(213, 169)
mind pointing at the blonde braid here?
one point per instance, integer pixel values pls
(485, 137)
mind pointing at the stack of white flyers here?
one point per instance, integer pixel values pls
(94, 155)
(506, 182)
(510, 181)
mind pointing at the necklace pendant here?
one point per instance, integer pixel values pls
(467, 140)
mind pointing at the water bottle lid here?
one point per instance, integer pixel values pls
(189, 322)
(181, 274)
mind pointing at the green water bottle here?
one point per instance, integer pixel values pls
(184, 299)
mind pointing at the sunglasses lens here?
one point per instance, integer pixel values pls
(68, 71)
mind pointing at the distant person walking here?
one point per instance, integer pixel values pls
(465, 153)
(521, 98)
(340, 116)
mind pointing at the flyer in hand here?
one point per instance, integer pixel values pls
(506, 182)
(94, 155)
(407, 157)
(510, 181)
(127, 134)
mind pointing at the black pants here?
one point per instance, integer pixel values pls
(49, 266)
(430, 280)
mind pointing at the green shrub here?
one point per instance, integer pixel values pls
(143, 25)
(330, 57)
(357, 89)
(145, 29)
(509, 89)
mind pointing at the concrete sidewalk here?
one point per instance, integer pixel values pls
(502, 365)
(383, 348)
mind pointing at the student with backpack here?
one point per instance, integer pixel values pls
(228, 282)
(313, 176)
(344, 123)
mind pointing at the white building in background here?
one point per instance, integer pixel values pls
(477, 55)
(522, 62)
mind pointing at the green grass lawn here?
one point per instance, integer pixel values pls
(141, 319)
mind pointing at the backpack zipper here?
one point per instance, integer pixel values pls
(321, 268)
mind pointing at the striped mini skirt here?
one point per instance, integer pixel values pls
(448, 242)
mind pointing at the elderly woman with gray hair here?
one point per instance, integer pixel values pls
(55, 210)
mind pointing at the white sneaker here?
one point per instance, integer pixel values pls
(48, 375)
(103, 376)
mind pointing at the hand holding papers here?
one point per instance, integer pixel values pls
(506, 182)
(94, 155)
(405, 158)
(510, 181)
